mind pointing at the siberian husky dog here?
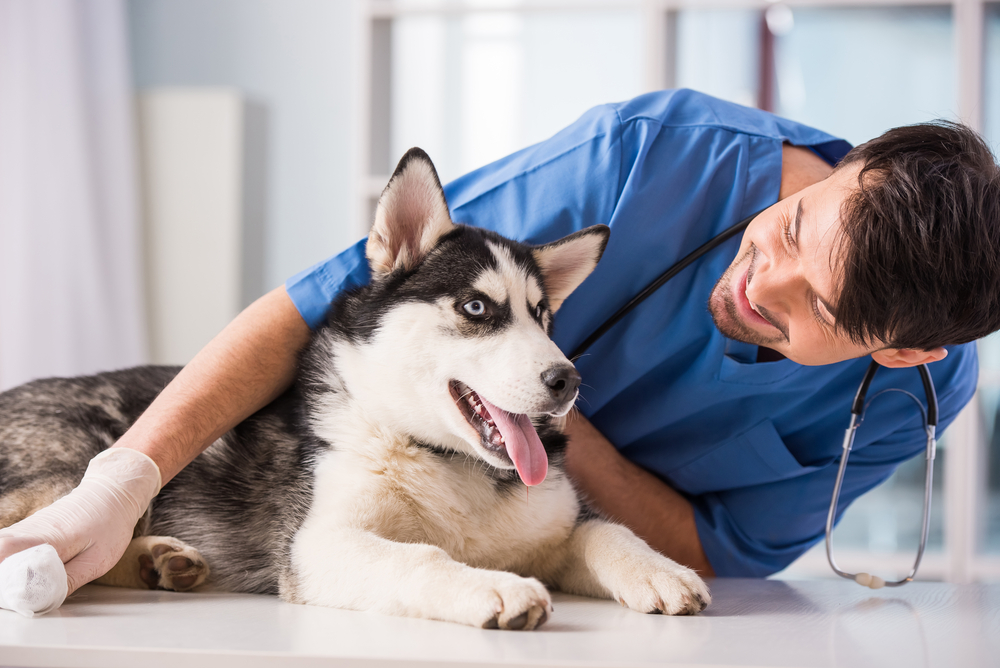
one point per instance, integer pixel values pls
(394, 475)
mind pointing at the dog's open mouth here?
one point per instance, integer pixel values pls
(506, 435)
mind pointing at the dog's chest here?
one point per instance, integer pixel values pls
(409, 494)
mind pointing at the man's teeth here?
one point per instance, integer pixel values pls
(757, 310)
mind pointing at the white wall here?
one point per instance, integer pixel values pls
(295, 61)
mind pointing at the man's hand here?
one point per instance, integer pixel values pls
(91, 526)
(627, 493)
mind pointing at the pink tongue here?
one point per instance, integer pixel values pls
(523, 445)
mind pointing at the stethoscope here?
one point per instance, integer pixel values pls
(857, 410)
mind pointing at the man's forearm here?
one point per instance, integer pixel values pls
(242, 369)
(627, 493)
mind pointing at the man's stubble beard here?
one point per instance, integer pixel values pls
(723, 310)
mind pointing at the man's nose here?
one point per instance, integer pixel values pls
(772, 284)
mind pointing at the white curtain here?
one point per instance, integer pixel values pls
(71, 293)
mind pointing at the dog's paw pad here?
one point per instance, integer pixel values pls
(172, 564)
(163, 548)
(179, 563)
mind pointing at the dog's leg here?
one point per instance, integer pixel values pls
(358, 570)
(157, 562)
(606, 560)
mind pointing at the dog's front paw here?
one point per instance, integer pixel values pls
(508, 601)
(167, 563)
(657, 585)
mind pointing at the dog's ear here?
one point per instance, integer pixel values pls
(566, 262)
(411, 216)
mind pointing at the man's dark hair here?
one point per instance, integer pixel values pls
(922, 239)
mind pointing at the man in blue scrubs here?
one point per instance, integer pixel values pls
(712, 416)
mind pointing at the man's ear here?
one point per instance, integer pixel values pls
(411, 216)
(566, 262)
(898, 358)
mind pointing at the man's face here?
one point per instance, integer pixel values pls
(782, 289)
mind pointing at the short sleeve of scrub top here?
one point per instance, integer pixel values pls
(753, 446)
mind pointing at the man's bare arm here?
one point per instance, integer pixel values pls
(247, 365)
(627, 493)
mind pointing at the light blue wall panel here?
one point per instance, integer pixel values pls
(295, 60)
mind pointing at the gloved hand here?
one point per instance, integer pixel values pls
(89, 528)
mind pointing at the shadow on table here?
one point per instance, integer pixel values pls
(745, 597)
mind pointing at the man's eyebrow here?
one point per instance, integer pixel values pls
(798, 227)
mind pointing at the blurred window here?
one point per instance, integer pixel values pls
(473, 87)
(991, 76)
(989, 348)
(717, 53)
(857, 72)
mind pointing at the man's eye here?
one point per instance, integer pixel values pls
(475, 307)
(788, 234)
(822, 314)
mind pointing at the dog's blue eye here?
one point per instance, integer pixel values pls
(475, 307)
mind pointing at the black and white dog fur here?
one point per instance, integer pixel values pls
(392, 476)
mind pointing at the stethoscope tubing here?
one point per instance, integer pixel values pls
(660, 280)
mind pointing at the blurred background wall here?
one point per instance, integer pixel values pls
(259, 133)
(296, 60)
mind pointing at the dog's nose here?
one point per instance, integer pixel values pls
(562, 381)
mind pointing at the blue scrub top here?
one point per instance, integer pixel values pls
(753, 446)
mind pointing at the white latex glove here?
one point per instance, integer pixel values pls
(89, 528)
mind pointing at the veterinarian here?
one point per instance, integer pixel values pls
(711, 418)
